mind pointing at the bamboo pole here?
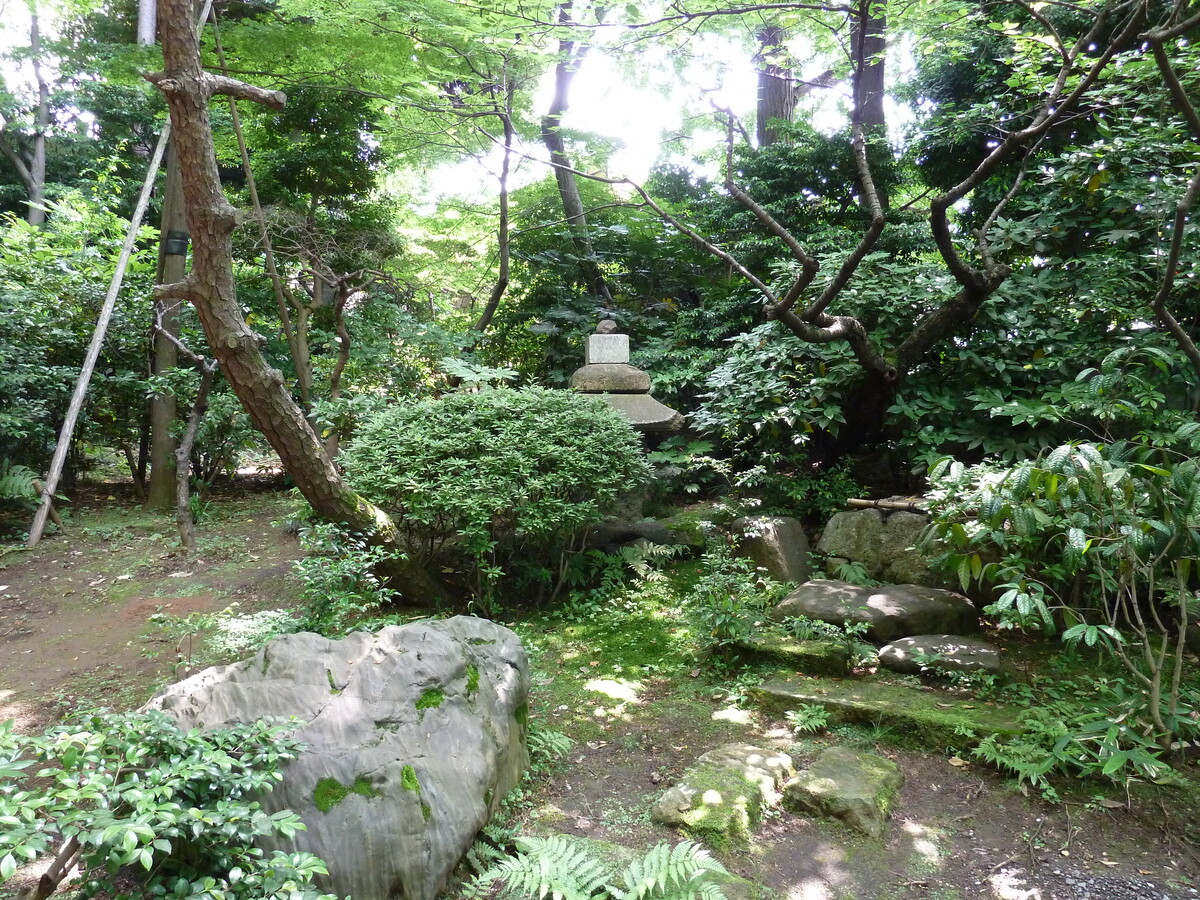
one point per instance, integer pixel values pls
(93, 351)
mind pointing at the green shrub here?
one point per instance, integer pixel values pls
(1102, 541)
(339, 578)
(495, 482)
(132, 790)
(731, 598)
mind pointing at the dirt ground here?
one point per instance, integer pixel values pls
(82, 624)
(958, 831)
(78, 612)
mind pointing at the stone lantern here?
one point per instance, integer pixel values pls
(607, 374)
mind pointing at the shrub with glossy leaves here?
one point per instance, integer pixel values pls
(132, 790)
(500, 479)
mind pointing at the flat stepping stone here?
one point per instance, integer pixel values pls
(802, 657)
(889, 612)
(856, 788)
(721, 797)
(926, 718)
(940, 653)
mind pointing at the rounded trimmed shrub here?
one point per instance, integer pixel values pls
(500, 479)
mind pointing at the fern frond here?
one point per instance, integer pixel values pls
(16, 482)
(553, 867)
(666, 873)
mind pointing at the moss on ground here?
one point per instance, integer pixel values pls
(804, 657)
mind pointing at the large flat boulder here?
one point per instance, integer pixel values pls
(857, 788)
(889, 611)
(415, 735)
(921, 717)
(721, 797)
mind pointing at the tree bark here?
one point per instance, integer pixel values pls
(37, 163)
(502, 276)
(210, 286)
(868, 35)
(776, 94)
(570, 56)
(171, 266)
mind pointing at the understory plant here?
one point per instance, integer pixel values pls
(132, 792)
(497, 483)
(1100, 542)
(565, 869)
(730, 599)
(340, 577)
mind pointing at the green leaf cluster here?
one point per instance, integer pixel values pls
(132, 790)
(494, 480)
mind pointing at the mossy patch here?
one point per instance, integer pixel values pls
(725, 807)
(521, 714)
(804, 657)
(329, 792)
(408, 780)
(926, 719)
(333, 688)
(472, 678)
(431, 699)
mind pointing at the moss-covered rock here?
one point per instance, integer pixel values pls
(924, 718)
(802, 657)
(720, 798)
(857, 788)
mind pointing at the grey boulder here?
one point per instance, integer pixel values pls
(883, 542)
(415, 734)
(857, 788)
(776, 544)
(940, 652)
(889, 611)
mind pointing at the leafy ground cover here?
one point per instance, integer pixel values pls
(107, 611)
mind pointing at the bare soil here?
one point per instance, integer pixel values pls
(85, 615)
(82, 625)
(958, 831)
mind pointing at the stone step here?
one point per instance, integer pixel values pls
(802, 657)
(926, 718)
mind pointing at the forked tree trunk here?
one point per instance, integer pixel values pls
(210, 286)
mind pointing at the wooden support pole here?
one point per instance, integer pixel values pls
(93, 351)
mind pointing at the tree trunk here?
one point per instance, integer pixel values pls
(183, 457)
(570, 56)
(501, 285)
(171, 268)
(776, 93)
(37, 163)
(211, 290)
(868, 35)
